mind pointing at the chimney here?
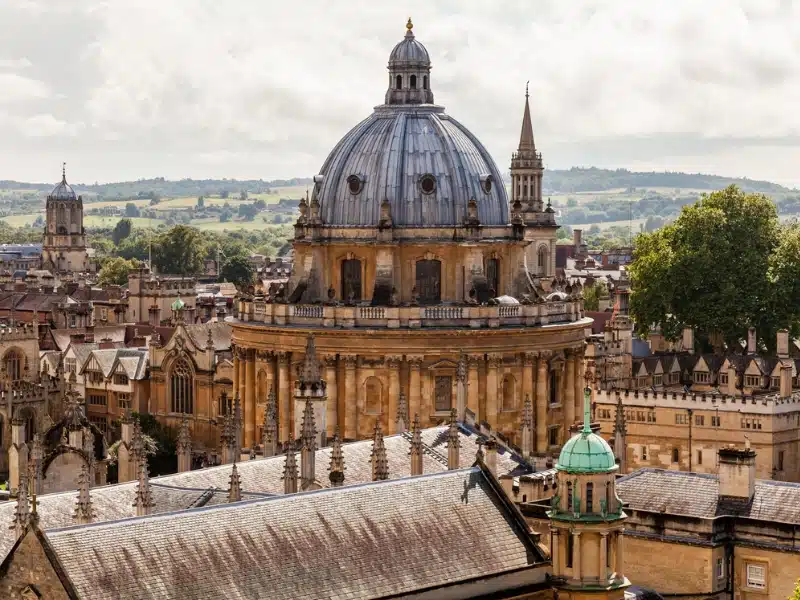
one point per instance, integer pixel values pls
(576, 238)
(737, 472)
(89, 337)
(656, 341)
(731, 388)
(783, 343)
(490, 456)
(688, 340)
(106, 343)
(751, 340)
(786, 380)
(154, 315)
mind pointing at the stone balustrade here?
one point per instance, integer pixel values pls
(412, 317)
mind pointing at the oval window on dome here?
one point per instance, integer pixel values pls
(354, 184)
(486, 184)
(427, 184)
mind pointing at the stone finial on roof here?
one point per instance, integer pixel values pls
(83, 514)
(270, 425)
(620, 426)
(479, 455)
(453, 442)
(210, 339)
(184, 442)
(380, 463)
(337, 461)
(228, 440)
(143, 501)
(137, 442)
(235, 487)
(22, 511)
(416, 447)
(402, 414)
(308, 446)
(310, 373)
(290, 471)
(526, 428)
(237, 424)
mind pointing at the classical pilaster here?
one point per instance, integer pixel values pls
(250, 400)
(495, 360)
(528, 360)
(554, 554)
(602, 567)
(473, 402)
(414, 404)
(576, 555)
(393, 364)
(236, 369)
(569, 394)
(350, 400)
(240, 380)
(620, 555)
(541, 403)
(580, 370)
(284, 398)
(332, 389)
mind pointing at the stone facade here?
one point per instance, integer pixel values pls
(150, 297)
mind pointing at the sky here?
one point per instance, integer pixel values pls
(123, 89)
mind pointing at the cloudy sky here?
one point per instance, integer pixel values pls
(124, 89)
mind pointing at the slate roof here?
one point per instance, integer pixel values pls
(367, 541)
(116, 333)
(221, 334)
(697, 495)
(133, 362)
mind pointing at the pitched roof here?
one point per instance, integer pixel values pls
(697, 495)
(221, 333)
(61, 337)
(367, 541)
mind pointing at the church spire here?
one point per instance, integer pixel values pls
(308, 450)
(380, 464)
(235, 487)
(22, 512)
(290, 471)
(83, 514)
(270, 426)
(416, 447)
(526, 142)
(337, 461)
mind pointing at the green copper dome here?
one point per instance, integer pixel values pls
(178, 305)
(586, 452)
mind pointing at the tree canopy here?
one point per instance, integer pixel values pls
(122, 230)
(115, 271)
(238, 270)
(723, 266)
(180, 251)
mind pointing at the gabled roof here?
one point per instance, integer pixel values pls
(132, 362)
(62, 337)
(221, 333)
(368, 541)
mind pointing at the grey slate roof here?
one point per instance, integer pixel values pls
(221, 333)
(390, 151)
(366, 541)
(697, 495)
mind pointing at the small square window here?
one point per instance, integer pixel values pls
(756, 577)
(720, 569)
(553, 436)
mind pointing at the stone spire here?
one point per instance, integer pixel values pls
(143, 501)
(453, 442)
(22, 512)
(337, 461)
(137, 448)
(380, 464)
(235, 487)
(308, 447)
(526, 172)
(290, 471)
(310, 373)
(228, 440)
(237, 425)
(620, 434)
(270, 426)
(184, 447)
(526, 429)
(416, 447)
(402, 414)
(526, 136)
(83, 514)
(36, 457)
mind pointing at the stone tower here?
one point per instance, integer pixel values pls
(586, 518)
(310, 387)
(409, 72)
(64, 248)
(526, 167)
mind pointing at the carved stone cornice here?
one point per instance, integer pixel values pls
(350, 361)
(495, 360)
(529, 359)
(393, 362)
(283, 359)
(414, 362)
(264, 355)
(329, 360)
(473, 360)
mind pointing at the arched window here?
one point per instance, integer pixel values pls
(181, 387)
(413, 82)
(542, 260)
(62, 215)
(372, 396)
(509, 393)
(553, 386)
(12, 363)
(570, 549)
(424, 82)
(589, 497)
(569, 496)
(429, 281)
(493, 275)
(398, 82)
(675, 455)
(351, 280)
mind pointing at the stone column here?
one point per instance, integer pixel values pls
(236, 371)
(350, 399)
(541, 403)
(569, 394)
(414, 408)
(393, 364)
(580, 369)
(332, 391)
(472, 386)
(603, 558)
(240, 382)
(491, 389)
(576, 555)
(556, 559)
(620, 556)
(527, 376)
(284, 418)
(250, 400)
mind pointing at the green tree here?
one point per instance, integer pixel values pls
(179, 251)
(201, 202)
(115, 271)
(260, 204)
(224, 194)
(238, 270)
(243, 195)
(796, 593)
(710, 270)
(122, 230)
(131, 210)
(592, 295)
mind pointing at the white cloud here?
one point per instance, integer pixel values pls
(265, 89)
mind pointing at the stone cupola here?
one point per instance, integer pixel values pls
(409, 72)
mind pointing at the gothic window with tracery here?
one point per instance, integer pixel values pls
(181, 387)
(13, 365)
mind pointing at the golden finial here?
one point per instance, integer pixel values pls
(409, 25)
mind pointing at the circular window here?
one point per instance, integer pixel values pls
(427, 184)
(487, 185)
(354, 183)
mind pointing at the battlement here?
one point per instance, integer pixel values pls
(19, 332)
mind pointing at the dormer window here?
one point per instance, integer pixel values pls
(354, 184)
(427, 184)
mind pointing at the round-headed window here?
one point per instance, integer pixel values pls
(487, 185)
(427, 184)
(354, 184)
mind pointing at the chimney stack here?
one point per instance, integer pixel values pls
(783, 343)
(576, 238)
(737, 472)
(786, 379)
(688, 340)
(751, 340)
(155, 315)
(490, 456)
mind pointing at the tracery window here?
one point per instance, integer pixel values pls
(181, 387)
(13, 365)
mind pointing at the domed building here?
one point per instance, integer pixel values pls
(64, 248)
(424, 285)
